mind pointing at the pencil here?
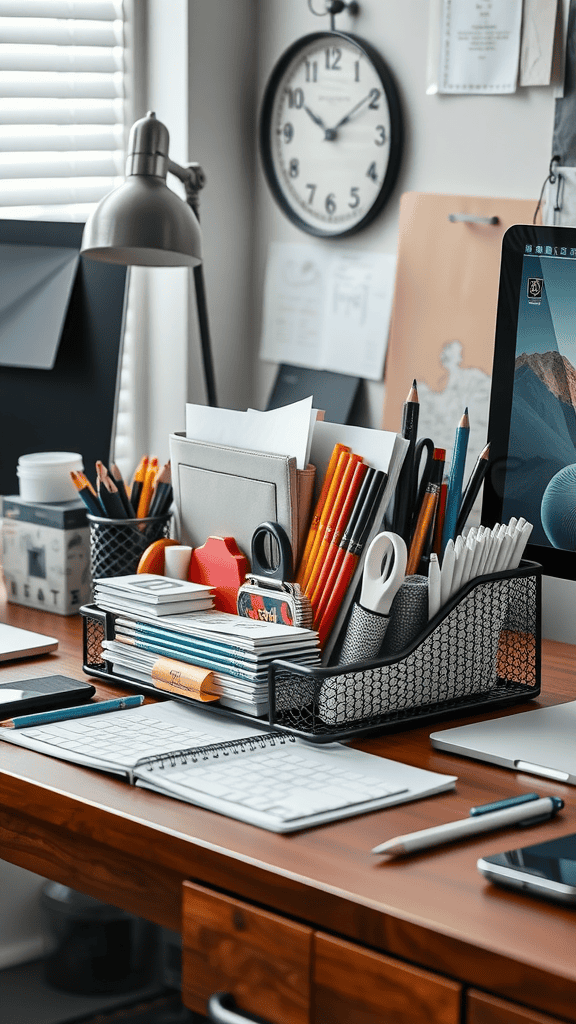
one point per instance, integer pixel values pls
(331, 522)
(351, 558)
(472, 487)
(405, 494)
(162, 494)
(147, 487)
(426, 514)
(366, 497)
(108, 494)
(455, 478)
(119, 481)
(439, 520)
(331, 469)
(91, 500)
(137, 482)
(343, 459)
(334, 531)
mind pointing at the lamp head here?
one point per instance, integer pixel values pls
(143, 222)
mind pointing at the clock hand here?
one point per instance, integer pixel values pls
(317, 120)
(346, 118)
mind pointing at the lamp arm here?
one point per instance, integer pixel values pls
(194, 179)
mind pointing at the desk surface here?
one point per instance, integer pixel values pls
(133, 848)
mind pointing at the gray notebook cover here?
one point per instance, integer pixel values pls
(538, 742)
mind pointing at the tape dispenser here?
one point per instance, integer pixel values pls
(268, 594)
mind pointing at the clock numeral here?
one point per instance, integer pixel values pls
(288, 132)
(330, 203)
(380, 141)
(295, 98)
(354, 197)
(311, 71)
(356, 70)
(333, 58)
(374, 97)
(294, 168)
(372, 172)
(312, 190)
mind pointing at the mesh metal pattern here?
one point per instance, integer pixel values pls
(117, 545)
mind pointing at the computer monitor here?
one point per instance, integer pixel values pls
(532, 419)
(57, 393)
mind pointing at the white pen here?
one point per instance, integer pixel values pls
(525, 814)
(434, 586)
(478, 549)
(447, 571)
(521, 542)
(508, 544)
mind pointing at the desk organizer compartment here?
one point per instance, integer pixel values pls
(481, 652)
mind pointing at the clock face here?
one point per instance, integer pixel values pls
(330, 134)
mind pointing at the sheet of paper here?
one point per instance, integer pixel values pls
(480, 46)
(284, 431)
(326, 309)
(538, 31)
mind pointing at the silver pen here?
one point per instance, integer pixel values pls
(528, 812)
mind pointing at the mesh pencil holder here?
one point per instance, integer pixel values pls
(482, 650)
(116, 545)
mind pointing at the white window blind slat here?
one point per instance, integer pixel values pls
(60, 32)
(105, 10)
(64, 84)
(54, 111)
(61, 138)
(25, 59)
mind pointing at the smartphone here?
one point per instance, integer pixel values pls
(24, 696)
(545, 869)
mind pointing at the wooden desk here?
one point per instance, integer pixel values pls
(308, 926)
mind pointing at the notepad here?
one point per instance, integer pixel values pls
(272, 780)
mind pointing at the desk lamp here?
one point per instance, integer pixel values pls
(144, 223)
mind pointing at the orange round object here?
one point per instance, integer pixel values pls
(152, 559)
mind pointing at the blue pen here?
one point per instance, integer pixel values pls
(455, 479)
(80, 711)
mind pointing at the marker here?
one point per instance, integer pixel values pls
(522, 813)
(81, 711)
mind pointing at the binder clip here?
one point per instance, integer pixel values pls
(268, 593)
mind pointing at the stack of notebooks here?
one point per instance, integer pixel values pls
(151, 595)
(237, 650)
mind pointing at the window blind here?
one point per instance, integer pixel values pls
(63, 106)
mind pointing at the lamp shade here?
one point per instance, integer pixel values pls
(143, 222)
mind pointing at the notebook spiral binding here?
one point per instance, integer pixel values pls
(195, 754)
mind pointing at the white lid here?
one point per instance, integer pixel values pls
(65, 459)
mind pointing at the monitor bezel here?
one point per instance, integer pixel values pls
(554, 561)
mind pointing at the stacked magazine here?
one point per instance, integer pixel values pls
(237, 650)
(152, 595)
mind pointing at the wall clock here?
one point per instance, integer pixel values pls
(331, 133)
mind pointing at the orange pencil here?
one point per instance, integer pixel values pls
(425, 520)
(147, 489)
(332, 536)
(439, 522)
(337, 506)
(336, 452)
(138, 482)
(341, 464)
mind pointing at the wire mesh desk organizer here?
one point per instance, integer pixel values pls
(116, 545)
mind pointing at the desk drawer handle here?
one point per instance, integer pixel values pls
(222, 1010)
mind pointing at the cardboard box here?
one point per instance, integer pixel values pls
(46, 550)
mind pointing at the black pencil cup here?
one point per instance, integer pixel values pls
(117, 545)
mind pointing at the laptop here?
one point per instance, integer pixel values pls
(538, 742)
(22, 643)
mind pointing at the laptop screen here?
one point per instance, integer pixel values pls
(532, 421)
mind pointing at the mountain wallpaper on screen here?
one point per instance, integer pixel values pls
(542, 433)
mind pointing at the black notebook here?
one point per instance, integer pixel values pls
(269, 779)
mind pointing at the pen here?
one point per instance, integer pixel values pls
(472, 487)
(455, 478)
(403, 499)
(522, 813)
(80, 711)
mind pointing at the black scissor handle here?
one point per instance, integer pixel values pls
(269, 540)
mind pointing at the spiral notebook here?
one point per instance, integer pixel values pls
(271, 780)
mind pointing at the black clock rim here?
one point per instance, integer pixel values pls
(396, 132)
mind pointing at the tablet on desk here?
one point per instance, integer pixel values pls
(22, 643)
(24, 696)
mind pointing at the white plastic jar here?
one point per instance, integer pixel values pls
(45, 476)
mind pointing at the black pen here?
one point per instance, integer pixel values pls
(404, 498)
(472, 487)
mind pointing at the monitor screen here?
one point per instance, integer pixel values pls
(532, 421)
(61, 330)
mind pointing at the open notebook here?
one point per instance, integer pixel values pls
(272, 780)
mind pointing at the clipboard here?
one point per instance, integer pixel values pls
(444, 311)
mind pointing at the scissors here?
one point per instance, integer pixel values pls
(384, 572)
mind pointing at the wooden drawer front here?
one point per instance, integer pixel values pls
(261, 958)
(356, 986)
(484, 1009)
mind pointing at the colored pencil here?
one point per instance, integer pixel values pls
(455, 478)
(335, 482)
(331, 469)
(334, 532)
(331, 524)
(119, 481)
(472, 487)
(147, 488)
(87, 493)
(424, 523)
(162, 494)
(79, 711)
(108, 494)
(138, 482)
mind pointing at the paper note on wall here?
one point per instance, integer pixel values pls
(480, 46)
(329, 310)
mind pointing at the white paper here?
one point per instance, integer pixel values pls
(284, 431)
(480, 46)
(538, 25)
(327, 309)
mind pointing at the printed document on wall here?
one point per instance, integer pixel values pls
(326, 309)
(480, 46)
